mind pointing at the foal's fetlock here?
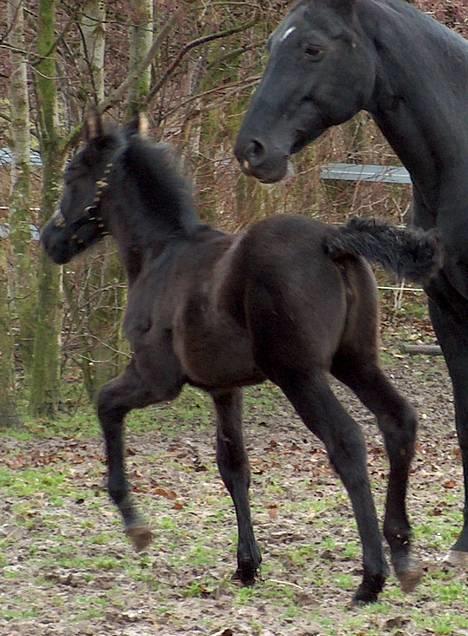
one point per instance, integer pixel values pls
(247, 567)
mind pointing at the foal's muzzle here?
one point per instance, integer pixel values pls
(56, 244)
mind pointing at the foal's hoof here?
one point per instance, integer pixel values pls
(246, 579)
(140, 536)
(410, 576)
(370, 588)
(457, 558)
(247, 575)
(364, 597)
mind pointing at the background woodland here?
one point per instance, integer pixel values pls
(192, 67)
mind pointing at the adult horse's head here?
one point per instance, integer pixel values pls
(320, 73)
(81, 220)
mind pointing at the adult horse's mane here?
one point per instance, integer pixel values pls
(421, 35)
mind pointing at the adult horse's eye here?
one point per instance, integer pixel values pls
(313, 52)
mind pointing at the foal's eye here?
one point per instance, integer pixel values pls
(314, 52)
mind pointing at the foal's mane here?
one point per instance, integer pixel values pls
(166, 194)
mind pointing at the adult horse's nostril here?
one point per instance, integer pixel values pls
(255, 153)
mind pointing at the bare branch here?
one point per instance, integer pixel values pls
(248, 81)
(139, 68)
(193, 44)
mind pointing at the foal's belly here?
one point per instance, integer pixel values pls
(217, 358)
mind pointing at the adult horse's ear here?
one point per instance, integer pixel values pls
(139, 125)
(93, 127)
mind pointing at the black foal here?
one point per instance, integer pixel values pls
(291, 300)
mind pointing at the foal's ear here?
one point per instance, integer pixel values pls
(93, 127)
(139, 125)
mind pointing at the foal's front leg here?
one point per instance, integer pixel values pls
(115, 400)
(234, 467)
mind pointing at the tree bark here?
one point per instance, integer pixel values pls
(21, 274)
(93, 45)
(141, 37)
(8, 414)
(45, 381)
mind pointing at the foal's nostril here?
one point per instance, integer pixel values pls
(255, 152)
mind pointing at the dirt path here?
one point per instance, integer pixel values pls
(67, 570)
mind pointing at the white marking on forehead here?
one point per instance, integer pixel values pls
(287, 33)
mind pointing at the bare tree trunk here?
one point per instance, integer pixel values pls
(141, 37)
(45, 380)
(22, 279)
(8, 416)
(93, 45)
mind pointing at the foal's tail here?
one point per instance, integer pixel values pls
(409, 253)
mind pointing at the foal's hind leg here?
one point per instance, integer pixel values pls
(397, 421)
(318, 407)
(234, 467)
(115, 400)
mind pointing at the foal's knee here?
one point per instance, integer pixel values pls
(400, 429)
(233, 467)
(107, 404)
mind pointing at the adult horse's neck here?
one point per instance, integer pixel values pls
(150, 205)
(420, 99)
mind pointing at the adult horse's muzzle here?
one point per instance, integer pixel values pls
(258, 159)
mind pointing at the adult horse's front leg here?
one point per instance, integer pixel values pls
(452, 333)
(234, 467)
(115, 400)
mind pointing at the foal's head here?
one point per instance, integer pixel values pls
(80, 221)
(124, 185)
(320, 73)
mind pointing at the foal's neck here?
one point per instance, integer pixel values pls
(420, 97)
(151, 206)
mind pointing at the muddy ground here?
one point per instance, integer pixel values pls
(68, 570)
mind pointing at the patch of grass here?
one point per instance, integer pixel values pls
(300, 555)
(18, 614)
(437, 532)
(352, 551)
(345, 582)
(262, 398)
(445, 624)
(245, 595)
(201, 588)
(34, 481)
(201, 555)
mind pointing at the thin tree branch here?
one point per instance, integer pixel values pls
(248, 81)
(193, 44)
(119, 92)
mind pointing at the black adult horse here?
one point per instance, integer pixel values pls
(288, 300)
(331, 58)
